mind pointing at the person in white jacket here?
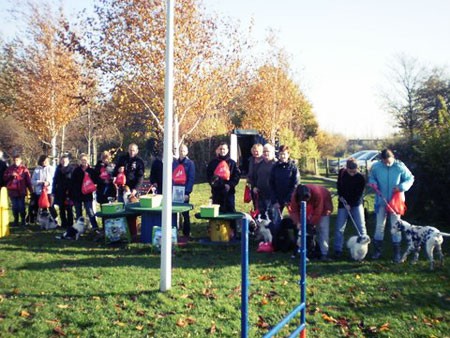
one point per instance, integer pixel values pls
(42, 178)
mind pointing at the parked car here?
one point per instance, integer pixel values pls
(359, 155)
(366, 160)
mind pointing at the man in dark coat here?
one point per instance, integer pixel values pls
(134, 170)
(223, 175)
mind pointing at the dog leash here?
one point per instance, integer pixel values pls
(384, 199)
(344, 202)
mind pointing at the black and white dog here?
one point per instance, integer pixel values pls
(74, 231)
(263, 229)
(358, 246)
(418, 236)
(46, 221)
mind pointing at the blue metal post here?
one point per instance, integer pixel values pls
(244, 278)
(303, 263)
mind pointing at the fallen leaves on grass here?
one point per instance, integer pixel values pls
(119, 323)
(62, 306)
(183, 322)
(213, 328)
(328, 318)
(209, 293)
(24, 314)
(267, 277)
(59, 331)
(2, 272)
(262, 323)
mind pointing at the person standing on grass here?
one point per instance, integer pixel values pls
(223, 175)
(253, 163)
(41, 179)
(183, 174)
(284, 177)
(62, 190)
(350, 189)
(387, 177)
(105, 186)
(261, 179)
(134, 170)
(18, 180)
(319, 207)
(80, 198)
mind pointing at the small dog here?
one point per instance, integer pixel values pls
(74, 231)
(128, 197)
(46, 221)
(358, 246)
(262, 231)
(417, 236)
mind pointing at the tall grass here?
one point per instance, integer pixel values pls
(51, 288)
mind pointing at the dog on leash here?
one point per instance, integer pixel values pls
(358, 246)
(418, 236)
(46, 221)
(74, 231)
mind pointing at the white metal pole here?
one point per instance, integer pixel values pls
(166, 240)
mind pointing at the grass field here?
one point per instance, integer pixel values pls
(51, 288)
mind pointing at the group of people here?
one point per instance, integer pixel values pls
(275, 185)
(74, 187)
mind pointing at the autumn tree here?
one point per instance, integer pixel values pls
(41, 78)
(273, 101)
(128, 45)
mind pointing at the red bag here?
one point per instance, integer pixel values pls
(104, 174)
(88, 185)
(397, 203)
(247, 194)
(121, 179)
(179, 175)
(222, 170)
(43, 201)
(13, 185)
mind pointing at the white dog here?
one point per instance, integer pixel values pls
(358, 246)
(74, 231)
(46, 221)
(417, 236)
(262, 229)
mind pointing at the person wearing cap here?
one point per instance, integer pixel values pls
(387, 176)
(319, 207)
(350, 189)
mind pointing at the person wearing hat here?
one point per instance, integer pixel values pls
(350, 188)
(386, 177)
(319, 207)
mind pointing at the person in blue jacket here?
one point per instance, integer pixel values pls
(183, 174)
(386, 177)
(284, 177)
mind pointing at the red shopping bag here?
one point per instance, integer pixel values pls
(43, 201)
(223, 170)
(247, 194)
(179, 175)
(88, 185)
(397, 203)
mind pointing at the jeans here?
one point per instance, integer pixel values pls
(89, 211)
(18, 208)
(381, 224)
(323, 234)
(341, 222)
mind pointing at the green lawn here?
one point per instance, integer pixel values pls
(51, 288)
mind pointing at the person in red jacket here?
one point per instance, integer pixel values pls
(318, 210)
(17, 180)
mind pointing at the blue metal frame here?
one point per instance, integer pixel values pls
(302, 266)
